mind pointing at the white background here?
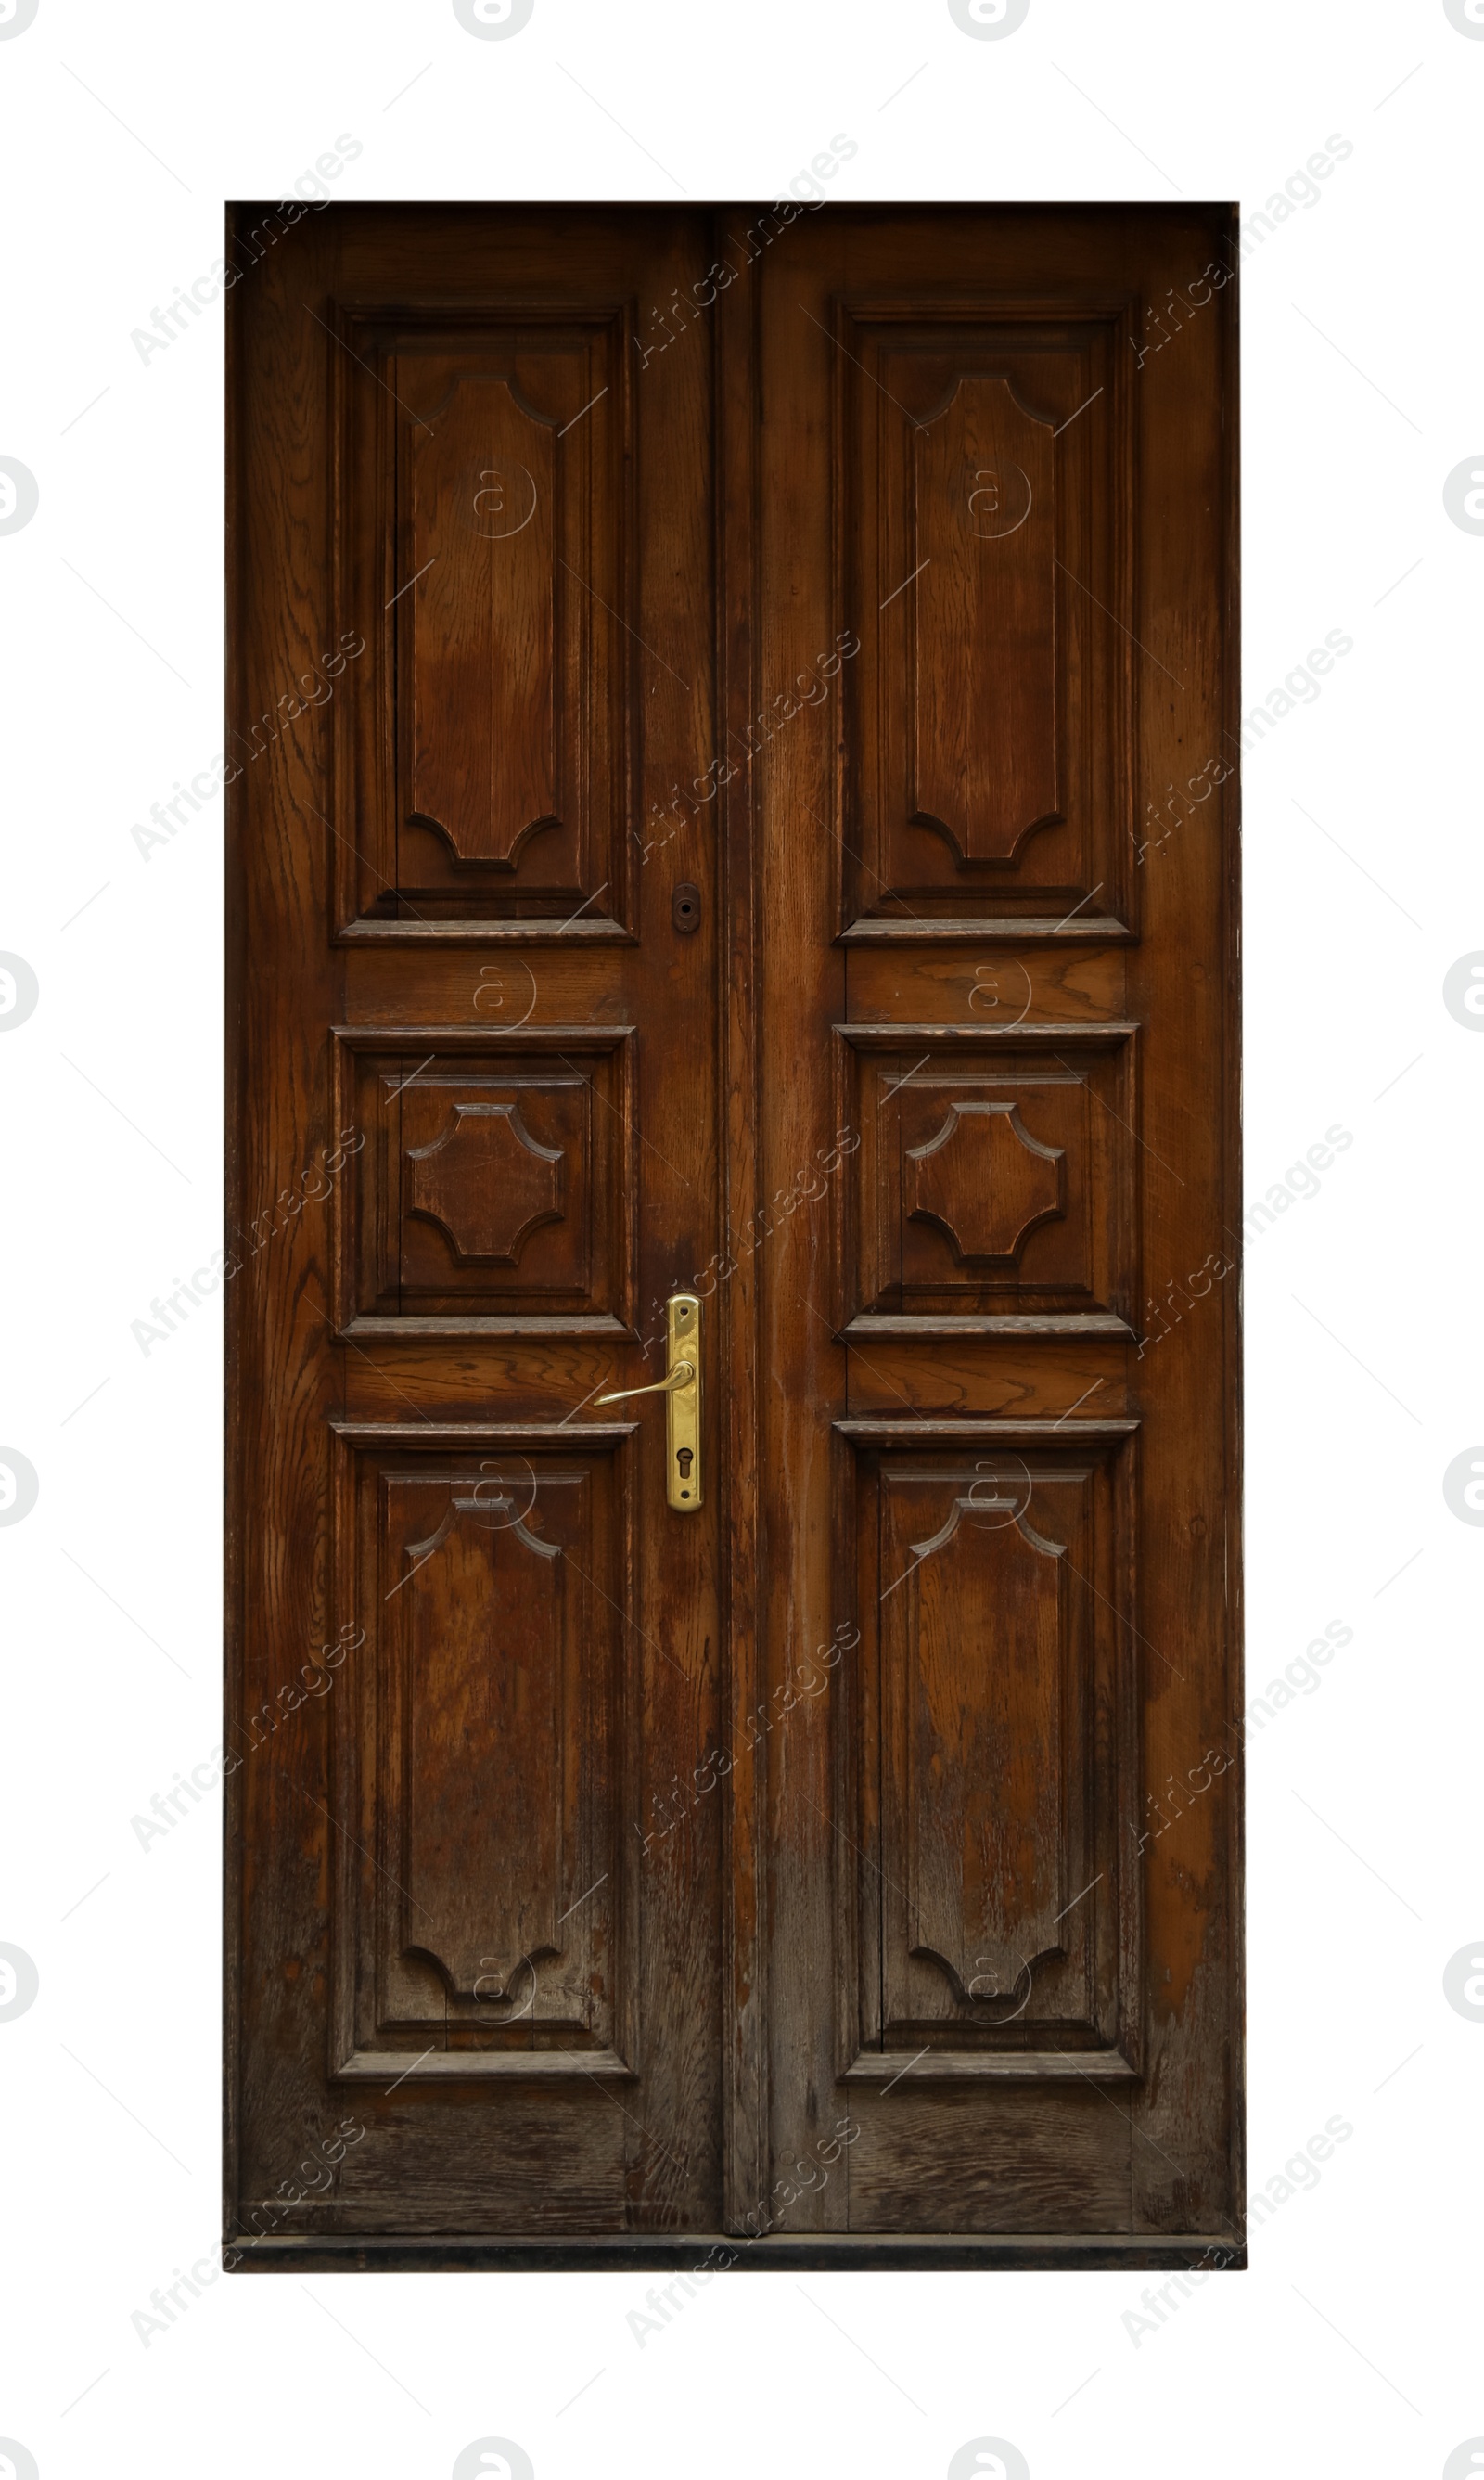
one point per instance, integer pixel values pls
(1353, 2344)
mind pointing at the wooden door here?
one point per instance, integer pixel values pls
(731, 712)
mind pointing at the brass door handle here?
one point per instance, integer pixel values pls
(680, 1385)
(679, 1376)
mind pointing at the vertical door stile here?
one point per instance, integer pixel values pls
(743, 2032)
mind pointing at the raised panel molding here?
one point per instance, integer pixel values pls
(983, 1824)
(985, 1182)
(984, 515)
(984, 757)
(992, 1190)
(483, 768)
(482, 519)
(483, 1771)
(493, 1189)
(481, 1729)
(486, 1182)
(987, 1731)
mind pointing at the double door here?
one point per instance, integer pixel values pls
(732, 877)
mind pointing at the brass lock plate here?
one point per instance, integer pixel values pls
(682, 1407)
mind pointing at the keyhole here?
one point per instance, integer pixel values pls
(684, 1458)
(685, 906)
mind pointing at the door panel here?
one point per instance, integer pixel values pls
(486, 464)
(1025, 986)
(467, 1893)
(495, 1195)
(729, 843)
(993, 1185)
(989, 725)
(989, 1767)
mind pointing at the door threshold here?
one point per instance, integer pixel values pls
(717, 2252)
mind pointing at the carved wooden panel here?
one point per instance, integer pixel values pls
(482, 1772)
(483, 763)
(989, 1733)
(493, 1192)
(986, 494)
(482, 634)
(985, 1182)
(994, 1181)
(981, 532)
(486, 1182)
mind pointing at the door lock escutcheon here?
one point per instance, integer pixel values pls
(680, 1387)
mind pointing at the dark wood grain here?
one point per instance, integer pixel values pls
(1024, 902)
(463, 1879)
(839, 1874)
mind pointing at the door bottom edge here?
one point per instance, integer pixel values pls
(721, 2252)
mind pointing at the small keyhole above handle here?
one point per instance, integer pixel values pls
(685, 906)
(684, 1457)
